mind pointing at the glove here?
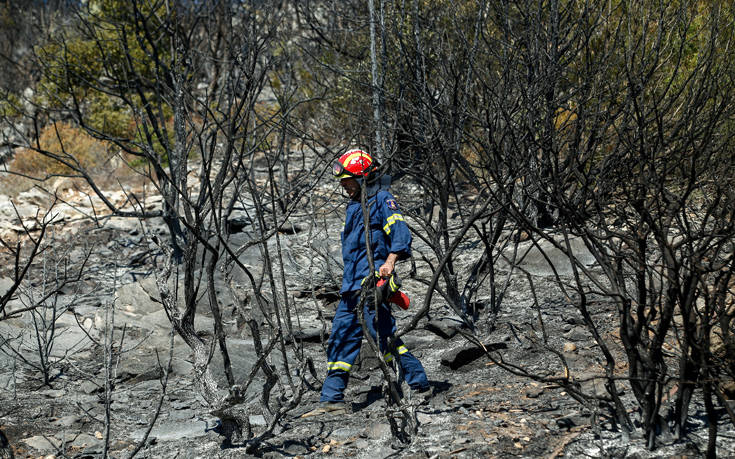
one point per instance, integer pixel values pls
(390, 288)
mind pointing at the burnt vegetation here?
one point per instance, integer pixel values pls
(594, 137)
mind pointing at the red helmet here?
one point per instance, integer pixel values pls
(354, 163)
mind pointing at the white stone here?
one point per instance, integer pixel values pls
(35, 196)
(534, 261)
(40, 443)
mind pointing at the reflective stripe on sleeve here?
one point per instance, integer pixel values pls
(338, 366)
(391, 220)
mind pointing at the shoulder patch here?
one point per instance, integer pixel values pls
(391, 203)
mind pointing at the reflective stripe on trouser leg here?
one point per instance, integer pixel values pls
(339, 366)
(343, 349)
(389, 356)
(413, 371)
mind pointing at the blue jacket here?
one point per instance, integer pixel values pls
(388, 234)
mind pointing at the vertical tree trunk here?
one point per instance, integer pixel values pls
(377, 88)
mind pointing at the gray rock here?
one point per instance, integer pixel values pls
(424, 418)
(14, 303)
(35, 196)
(137, 306)
(42, 411)
(536, 263)
(181, 366)
(378, 431)
(577, 334)
(295, 449)
(181, 404)
(139, 367)
(595, 387)
(121, 398)
(242, 356)
(459, 357)
(150, 388)
(53, 393)
(69, 338)
(84, 441)
(571, 420)
(91, 451)
(135, 298)
(5, 284)
(181, 415)
(534, 391)
(167, 430)
(91, 387)
(123, 225)
(50, 444)
(257, 420)
(67, 421)
(344, 433)
(594, 384)
(41, 443)
(572, 320)
(444, 327)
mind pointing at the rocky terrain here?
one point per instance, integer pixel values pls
(477, 409)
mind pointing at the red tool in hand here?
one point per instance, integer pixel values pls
(390, 287)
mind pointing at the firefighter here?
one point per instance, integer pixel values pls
(390, 241)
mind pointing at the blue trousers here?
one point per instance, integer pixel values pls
(345, 341)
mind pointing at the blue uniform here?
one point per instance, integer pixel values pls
(388, 234)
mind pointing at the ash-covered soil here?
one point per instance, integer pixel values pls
(476, 408)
